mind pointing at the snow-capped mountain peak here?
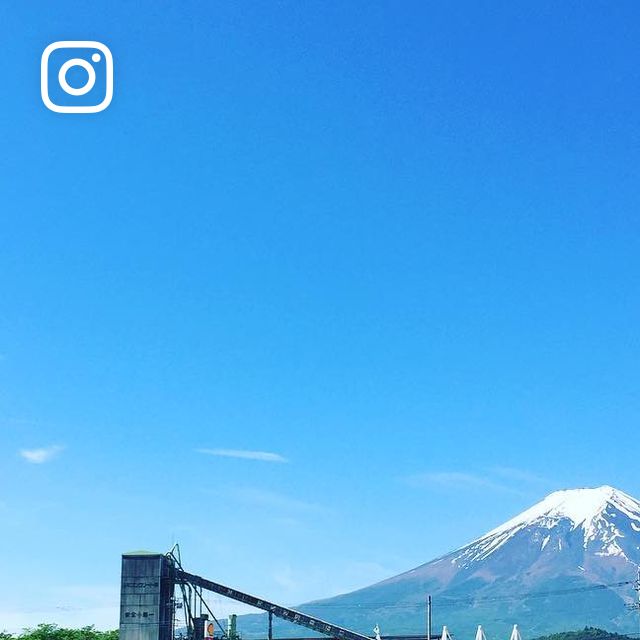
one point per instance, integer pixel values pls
(581, 506)
(592, 510)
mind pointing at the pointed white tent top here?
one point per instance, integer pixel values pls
(480, 633)
(515, 634)
(445, 633)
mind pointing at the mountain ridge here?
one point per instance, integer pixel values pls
(580, 547)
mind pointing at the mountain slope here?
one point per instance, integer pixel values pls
(543, 569)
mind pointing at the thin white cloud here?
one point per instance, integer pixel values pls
(316, 581)
(284, 578)
(67, 606)
(272, 500)
(519, 475)
(245, 454)
(42, 455)
(282, 509)
(457, 480)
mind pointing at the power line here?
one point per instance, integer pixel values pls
(544, 594)
(450, 601)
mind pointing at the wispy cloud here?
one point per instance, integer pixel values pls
(458, 480)
(284, 577)
(42, 455)
(519, 475)
(315, 580)
(245, 454)
(67, 606)
(274, 501)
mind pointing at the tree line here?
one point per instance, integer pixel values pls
(54, 632)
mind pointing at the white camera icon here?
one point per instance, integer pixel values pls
(101, 55)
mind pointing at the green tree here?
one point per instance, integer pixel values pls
(54, 632)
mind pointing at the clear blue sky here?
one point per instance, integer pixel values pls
(393, 244)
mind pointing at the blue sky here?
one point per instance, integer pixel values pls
(391, 249)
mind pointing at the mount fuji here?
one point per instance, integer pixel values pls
(568, 562)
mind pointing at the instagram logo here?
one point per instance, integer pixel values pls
(76, 76)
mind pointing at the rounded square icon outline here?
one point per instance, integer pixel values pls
(76, 44)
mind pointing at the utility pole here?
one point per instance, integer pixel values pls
(635, 606)
(428, 617)
(636, 586)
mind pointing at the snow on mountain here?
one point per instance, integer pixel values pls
(603, 516)
(581, 506)
(595, 512)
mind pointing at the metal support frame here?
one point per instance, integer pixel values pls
(290, 615)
